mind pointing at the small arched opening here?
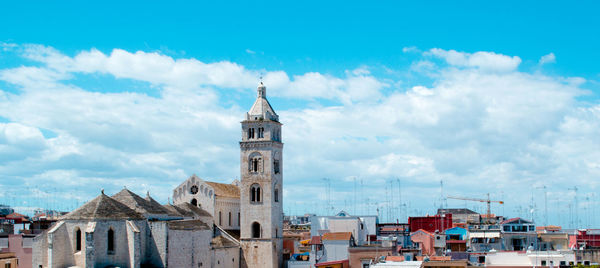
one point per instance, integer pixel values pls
(255, 230)
(78, 240)
(255, 193)
(194, 202)
(110, 245)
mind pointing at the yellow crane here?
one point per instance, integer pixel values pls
(488, 201)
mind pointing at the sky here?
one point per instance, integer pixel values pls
(388, 108)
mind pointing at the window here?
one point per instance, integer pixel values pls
(78, 240)
(255, 195)
(111, 241)
(251, 133)
(194, 189)
(220, 222)
(230, 218)
(194, 202)
(543, 263)
(276, 195)
(507, 228)
(276, 166)
(238, 219)
(255, 230)
(261, 132)
(255, 163)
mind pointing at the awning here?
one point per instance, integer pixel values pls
(484, 235)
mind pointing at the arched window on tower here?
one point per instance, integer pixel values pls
(276, 195)
(229, 218)
(255, 194)
(261, 132)
(276, 166)
(78, 240)
(255, 230)
(110, 245)
(251, 133)
(220, 219)
(255, 164)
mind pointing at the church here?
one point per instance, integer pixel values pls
(209, 224)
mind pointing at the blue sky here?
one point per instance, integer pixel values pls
(488, 97)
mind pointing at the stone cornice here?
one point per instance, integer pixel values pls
(260, 144)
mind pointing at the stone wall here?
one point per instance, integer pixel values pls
(359, 255)
(227, 205)
(189, 248)
(156, 247)
(205, 197)
(39, 255)
(261, 253)
(226, 257)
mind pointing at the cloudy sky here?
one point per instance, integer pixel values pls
(380, 103)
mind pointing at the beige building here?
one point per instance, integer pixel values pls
(221, 200)
(209, 224)
(261, 229)
(126, 230)
(253, 207)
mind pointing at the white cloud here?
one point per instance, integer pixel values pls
(548, 58)
(484, 126)
(411, 49)
(487, 61)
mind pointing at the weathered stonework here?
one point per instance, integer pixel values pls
(261, 186)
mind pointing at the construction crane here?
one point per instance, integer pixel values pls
(488, 201)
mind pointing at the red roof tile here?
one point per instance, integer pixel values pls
(345, 236)
(315, 240)
(330, 263)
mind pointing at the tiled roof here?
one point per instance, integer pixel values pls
(15, 215)
(103, 208)
(186, 210)
(331, 263)
(394, 258)
(190, 225)
(315, 240)
(138, 203)
(513, 220)
(423, 231)
(345, 236)
(225, 190)
(222, 242)
(455, 211)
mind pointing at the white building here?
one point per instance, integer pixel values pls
(261, 202)
(126, 230)
(221, 200)
(361, 227)
(209, 225)
(530, 258)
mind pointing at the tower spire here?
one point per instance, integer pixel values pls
(262, 110)
(262, 90)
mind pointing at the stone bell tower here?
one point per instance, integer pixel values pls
(261, 203)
